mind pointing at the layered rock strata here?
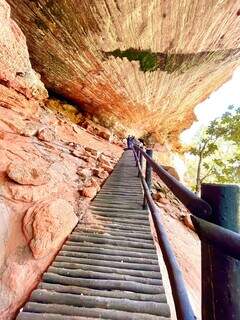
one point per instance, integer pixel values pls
(44, 188)
(138, 65)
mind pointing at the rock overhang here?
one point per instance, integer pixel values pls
(143, 66)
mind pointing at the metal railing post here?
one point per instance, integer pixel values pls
(221, 273)
(148, 176)
(136, 153)
(140, 161)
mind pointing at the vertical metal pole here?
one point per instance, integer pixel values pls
(148, 176)
(136, 152)
(141, 161)
(128, 144)
(220, 273)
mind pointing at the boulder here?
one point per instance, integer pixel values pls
(78, 153)
(91, 162)
(27, 173)
(107, 168)
(188, 222)
(164, 201)
(84, 173)
(105, 134)
(93, 152)
(156, 196)
(100, 173)
(93, 182)
(89, 192)
(89, 155)
(46, 134)
(47, 224)
(30, 129)
(172, 171)
(104, 160)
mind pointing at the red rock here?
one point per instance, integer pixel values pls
(91, 161)
(156, 196)
(188, 222)
(80, 147)
(78, 153)
(94, 128)
(47, 224)
(30, 129)
(89, 155)
(71, 144)
(93, 182)
(27, 173)
(101, 173)
(15, 67)
(4, 229)
(105, 134)
(172, 171)
(84, 173)
(164, 201)
(93, 152)
(46, 134)
(107, 168)
(89, 192)
(104, 160)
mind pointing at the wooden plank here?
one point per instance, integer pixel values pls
(161, 297)
(102, 284)
(154, 308)
(88, 312)
(88, 274)
(136, 273)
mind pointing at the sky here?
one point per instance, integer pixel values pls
(214, 106)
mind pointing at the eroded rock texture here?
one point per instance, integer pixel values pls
(19, 83)
(146, 63)
(42, 160)
(45, 187)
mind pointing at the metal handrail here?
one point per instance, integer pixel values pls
(193, 203)
(220, 237)
(224, 240)
(183, 307)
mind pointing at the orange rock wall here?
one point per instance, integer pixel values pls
(195, 42)
(44, 190)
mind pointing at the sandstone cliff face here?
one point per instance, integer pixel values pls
(143, 64)
(49, 170)
(15, 68)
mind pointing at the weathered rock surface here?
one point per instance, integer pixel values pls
(126, 61)
(47, 224)
(15, 69)
(89, 192)
(33, 174)
(27, 173)
(37, 168)
(46, 134)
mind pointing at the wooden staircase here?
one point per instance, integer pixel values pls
(111, 273)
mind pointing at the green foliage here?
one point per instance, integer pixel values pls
(168, 62)
(148, 60)
(218, 150)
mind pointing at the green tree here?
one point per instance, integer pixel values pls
(218, 150)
